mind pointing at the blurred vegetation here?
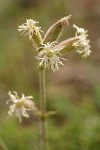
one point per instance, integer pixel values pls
(74, 91)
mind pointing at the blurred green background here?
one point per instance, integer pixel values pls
(74, 91)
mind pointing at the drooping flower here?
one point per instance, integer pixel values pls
(29, 28)
(50, 56)
(83, 44)
(20, 106)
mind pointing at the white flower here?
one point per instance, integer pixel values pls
(49, 58)
(29, 28)
(20, 106)
(83, 44)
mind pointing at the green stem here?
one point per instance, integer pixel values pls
(43, 121)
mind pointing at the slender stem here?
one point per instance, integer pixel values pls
(3, 145)
(42, 91)
(43, 121)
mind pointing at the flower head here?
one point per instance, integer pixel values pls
(20, 106)
(49, 56)
(83, 44)
(29, 28)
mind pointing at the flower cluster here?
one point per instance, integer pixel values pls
(83, 44)
(21, 105)
(49, 56)
(29, 28)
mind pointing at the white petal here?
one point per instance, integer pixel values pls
(18, 115)
(8, 101)
(12, 108)
(24, 113)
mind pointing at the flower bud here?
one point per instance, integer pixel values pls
(56, 29)
(67, 45)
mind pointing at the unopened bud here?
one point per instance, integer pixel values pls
(56, 29)
(67, 45)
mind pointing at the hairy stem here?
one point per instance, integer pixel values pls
(43, 121)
